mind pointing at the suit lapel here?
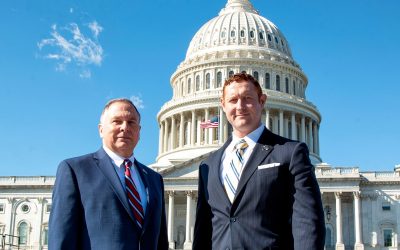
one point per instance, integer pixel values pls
(149, 191)
(260, 152)
(107, 168)
(215, 170)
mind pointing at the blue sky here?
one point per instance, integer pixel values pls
(60, 61)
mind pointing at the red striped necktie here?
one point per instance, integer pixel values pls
(133, 194)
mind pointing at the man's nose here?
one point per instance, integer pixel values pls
(239, 104)
(124, 126)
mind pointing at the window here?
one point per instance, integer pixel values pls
(294, 87)
(25, 208)
(45, 235)
(261, 36)
(2, 208)
(233, 33)
(387, 237)
(197, 83)
(242, 33)
(386, 206)
(251, 34)
(287, 85)
(208, 81)
(269, 38)
(219, 79)
(276, 39)
(255, 74)
(23, 233)
(278, 83)
(189, 85)
(48, 208)
(267, 83)
(223, 34)
(231, 73)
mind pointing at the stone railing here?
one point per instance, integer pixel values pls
(27, 180)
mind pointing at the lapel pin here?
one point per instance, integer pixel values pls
(265, 147)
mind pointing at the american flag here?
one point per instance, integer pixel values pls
(213, 123)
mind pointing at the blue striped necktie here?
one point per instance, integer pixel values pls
(234, 170)
(133, 195)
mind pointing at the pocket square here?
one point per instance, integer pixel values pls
(269, 165)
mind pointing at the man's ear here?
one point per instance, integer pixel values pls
(100, 126)
(222, 103)
(263, 99)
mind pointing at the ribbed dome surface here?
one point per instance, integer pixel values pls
(238, 26)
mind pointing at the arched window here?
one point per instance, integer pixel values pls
(223, 34)
(261, 35)
(276, 39)
(287, 85)
(269, 38)
(208, 81)
(197, 83)
(267, 83)
(294, 87)
(231, 73)
(242, 33)
(219, 79)
(255, 74)
(23, 233)
(189, 85)
(278, 83)
(233, 33)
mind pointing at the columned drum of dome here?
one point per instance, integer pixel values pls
(237, 40)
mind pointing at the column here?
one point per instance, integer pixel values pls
(339, 234)
(206, 118)
(165, 135)
(294, 127)
(267, 118)
(188, 240)
(181, 131)
(275, 127)
(221, 126)
(281, 123)
(161, 139)
(173, 133)
(286, 131)
(199, 131)
(41, 203)
(315, 137)
(193, 128)
(310, 137)
(357, 221)
(303, 128)
(171, 213)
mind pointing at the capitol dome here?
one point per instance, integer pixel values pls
(237, 40)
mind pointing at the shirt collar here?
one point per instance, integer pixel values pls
(118, 160)
(251, 138)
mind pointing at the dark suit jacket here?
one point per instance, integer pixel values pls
(90, 209)
(274, 207)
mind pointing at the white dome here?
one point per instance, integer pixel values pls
(238, 26)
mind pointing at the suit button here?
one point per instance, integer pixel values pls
(233, 219)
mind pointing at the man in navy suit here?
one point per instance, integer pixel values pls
(259, 190)
(107, 199)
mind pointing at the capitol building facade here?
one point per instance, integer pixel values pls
(362, 209)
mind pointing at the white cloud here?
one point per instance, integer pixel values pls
(70, 46)
(96, 28)
(137, 100)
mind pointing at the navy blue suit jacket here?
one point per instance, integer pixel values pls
(90, 209)
(277, 203)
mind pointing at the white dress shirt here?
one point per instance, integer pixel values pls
(251, 139)
(118, 164)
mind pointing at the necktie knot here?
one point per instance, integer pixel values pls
(127, 163)
(241, 145)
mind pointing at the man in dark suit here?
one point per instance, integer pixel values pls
(107, 199)
(259, 190)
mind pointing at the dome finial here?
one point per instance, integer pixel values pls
(238, 6)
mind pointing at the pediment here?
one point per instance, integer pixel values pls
(186, 169)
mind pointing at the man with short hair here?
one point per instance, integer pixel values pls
(107, 199)
(259, 190)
